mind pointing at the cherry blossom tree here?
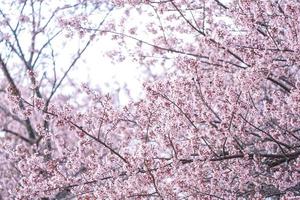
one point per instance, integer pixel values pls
(221, 123)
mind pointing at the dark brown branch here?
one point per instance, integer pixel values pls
(146, 195)
(279, 84)
(280, 144)
(16, 92)
(14, 33)
(154, 181)
(203, 100)
(18, 136)
(99, 141)
(172, 145)
(87, 134)
(180, 110)
(278, 158)
(229, 51)
(221, 4)
(14, 117)
(152, 45)
(43, 47)
(188, 21)
(209, 146)
(33, 33)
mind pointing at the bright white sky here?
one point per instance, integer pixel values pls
(97, 68)
(99, 71)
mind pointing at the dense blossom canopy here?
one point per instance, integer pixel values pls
(222, 122)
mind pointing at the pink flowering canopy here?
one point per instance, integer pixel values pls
(221, 122)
